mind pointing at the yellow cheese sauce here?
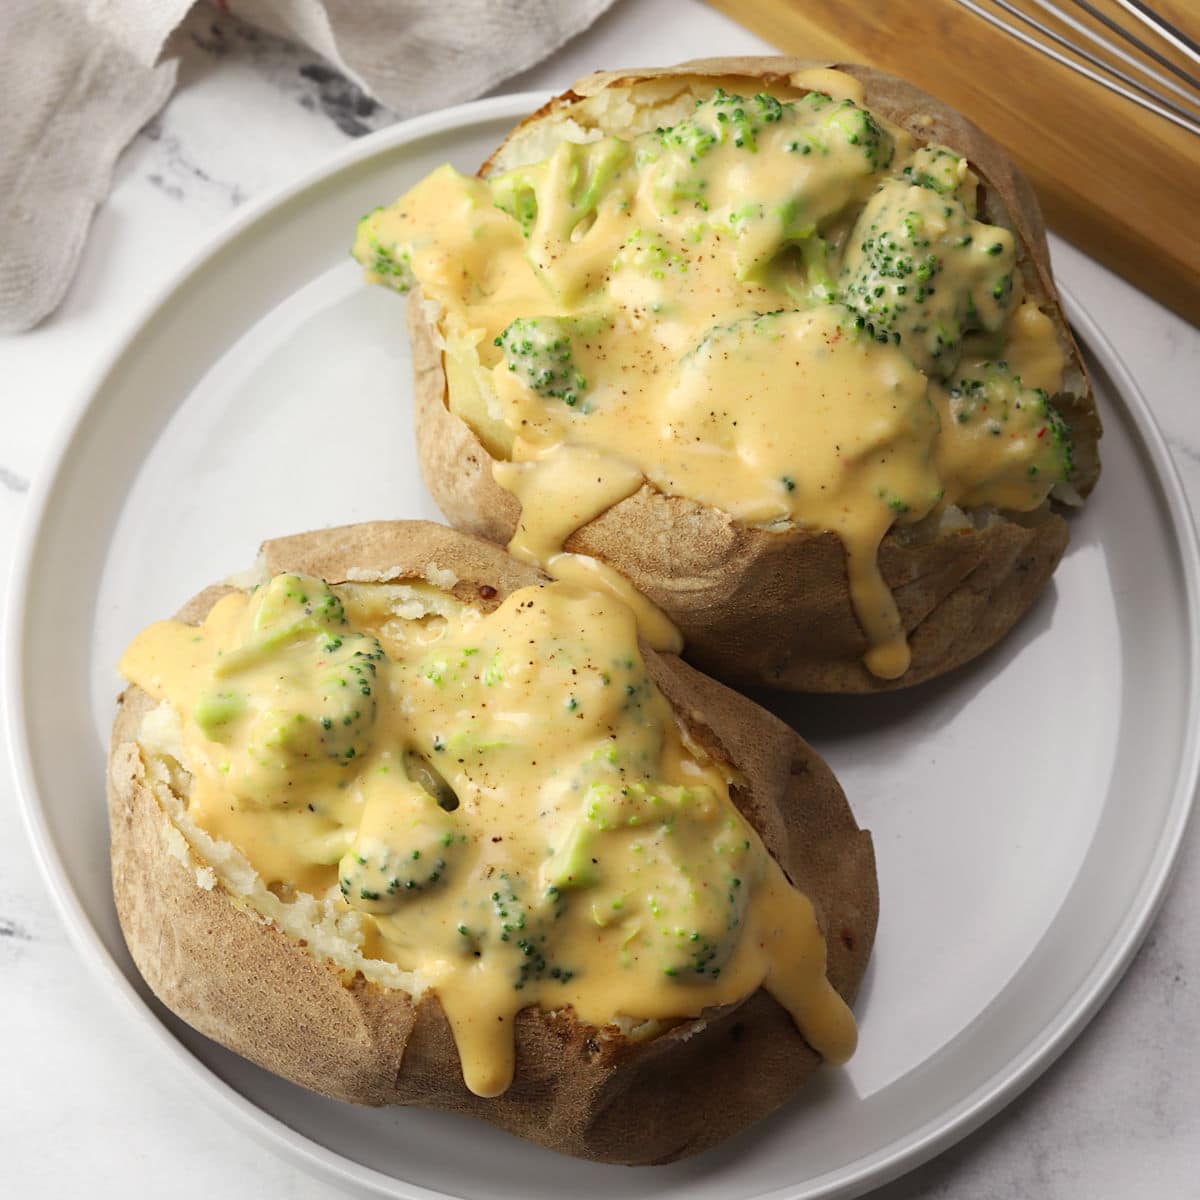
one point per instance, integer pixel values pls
(773, 306)
(507, 800)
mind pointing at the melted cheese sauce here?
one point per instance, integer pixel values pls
(769, 307)
(506, 799)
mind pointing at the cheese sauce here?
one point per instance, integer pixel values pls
(507, 799)
(773, 306)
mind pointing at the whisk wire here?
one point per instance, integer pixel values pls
(1106, 74)
(1131, 37)
(1164, 29)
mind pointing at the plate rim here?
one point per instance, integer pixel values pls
(884, 1164)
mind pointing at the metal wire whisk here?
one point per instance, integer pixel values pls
(1145, 75)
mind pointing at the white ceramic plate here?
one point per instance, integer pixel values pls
(1026, 811)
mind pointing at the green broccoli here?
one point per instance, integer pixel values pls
(990, 398)
(582, 174)
(408, 841)
(391, 265)
(538, 350)
(839, 148)
(764, 325)
(323, 706)
(699, 898)
(743, 122)
(920, 272)
(722, 118)
(509, 924)
(515, 193)
(942, 171)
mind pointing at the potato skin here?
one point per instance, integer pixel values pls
(759, 606)
(579, 1090)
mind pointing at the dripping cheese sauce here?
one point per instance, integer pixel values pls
(779, 305)
(504, 802)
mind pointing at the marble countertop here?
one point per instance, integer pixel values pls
(88, 1109)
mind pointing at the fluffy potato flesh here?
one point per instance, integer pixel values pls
(505, 803)
(768, 306)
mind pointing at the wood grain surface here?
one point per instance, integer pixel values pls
(1120, 183)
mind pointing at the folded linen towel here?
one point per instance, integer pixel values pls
(78, 78)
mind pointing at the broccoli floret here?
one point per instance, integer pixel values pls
(1060, 433)
(538, 350)
(515, 193)
(387, 264)
(557, 202)
(858, 127)
(215, 710)
(839, 148)
(322, 706)
(408, 842)
(608, 807)
(523, 929)
(285, 609)
(581, 174)
(722, 117)
(942, 171)
(514, 925)
(920, 272)
(648, 253)
(1006, 443)
(698, 903)
(763, 325)
(376, 877)
(688, 907)
(990, 399)
(393, 267)
(332, 716)
(808, 122)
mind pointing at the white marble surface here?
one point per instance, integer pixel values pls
(87, 1108)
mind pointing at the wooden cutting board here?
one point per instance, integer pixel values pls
(1120, 183)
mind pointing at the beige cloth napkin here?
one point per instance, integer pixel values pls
(78, 78)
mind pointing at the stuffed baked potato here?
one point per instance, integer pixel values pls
(833, 234)
(307, 782)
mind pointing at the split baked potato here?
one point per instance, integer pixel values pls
(293, 978)
(762, 591)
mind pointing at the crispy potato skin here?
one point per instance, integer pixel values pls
(579, 1090)
(772, 607)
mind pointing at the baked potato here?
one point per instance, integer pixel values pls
(286, 964)
(924, 526)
